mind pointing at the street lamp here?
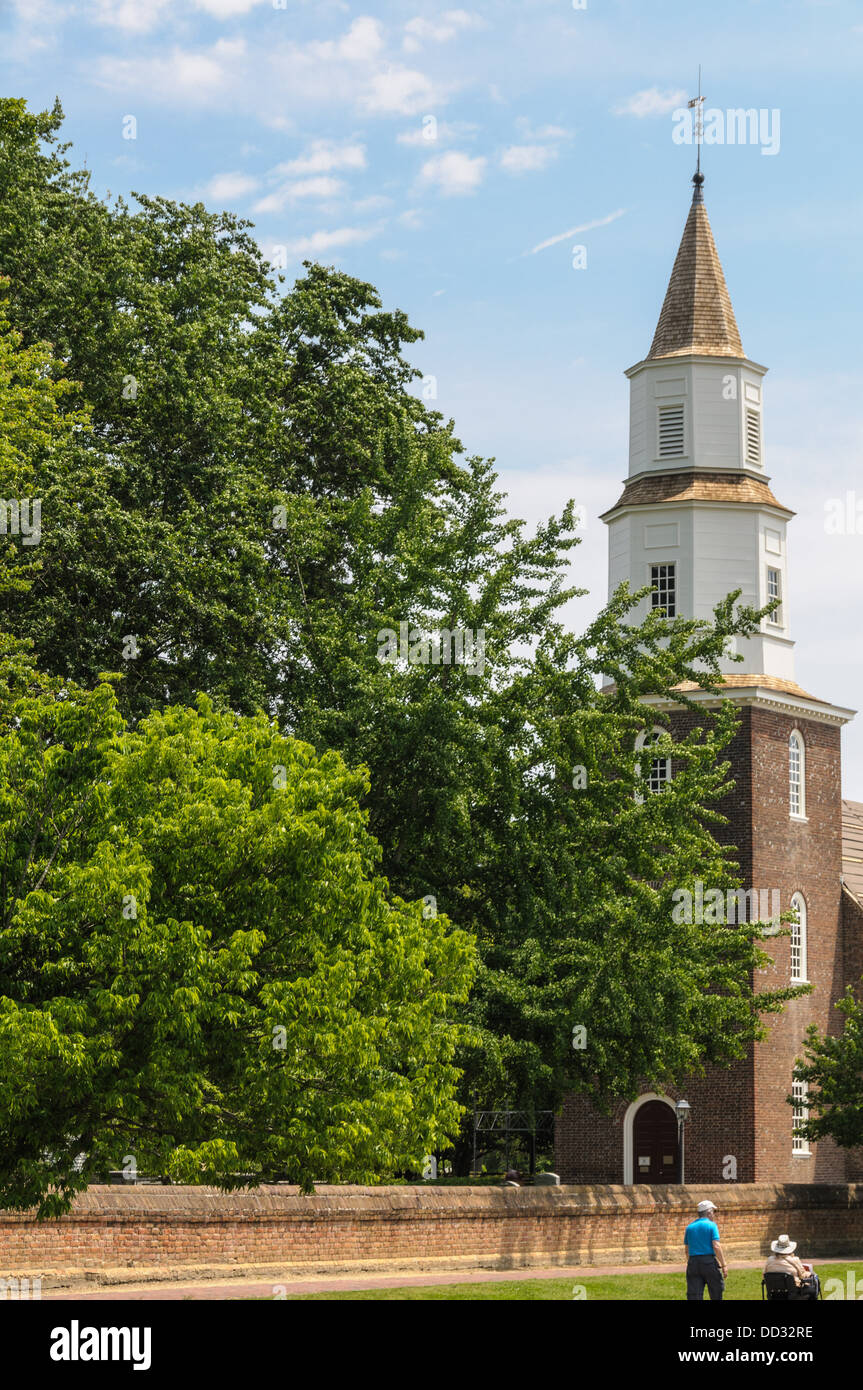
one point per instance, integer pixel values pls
(683, 1109)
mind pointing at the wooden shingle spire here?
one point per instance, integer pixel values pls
(697, 315)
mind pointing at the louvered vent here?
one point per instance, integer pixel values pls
(753, 437)
(670, 431)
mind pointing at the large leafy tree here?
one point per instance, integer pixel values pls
(159, 537)
(271, 500)
(200, 967)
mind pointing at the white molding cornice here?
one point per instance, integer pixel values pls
(704, 502)
(760, 697)
(696, 357)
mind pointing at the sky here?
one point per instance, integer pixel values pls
(457, 157)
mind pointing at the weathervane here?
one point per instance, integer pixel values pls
(697, 104)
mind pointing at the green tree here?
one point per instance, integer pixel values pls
(35, 427)
(833, 1065)
(200, 967)
(276, 498)
(157, 533)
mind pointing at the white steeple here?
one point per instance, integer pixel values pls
(697, 517)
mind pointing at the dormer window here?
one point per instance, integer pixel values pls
(671, 431)
(753, 437)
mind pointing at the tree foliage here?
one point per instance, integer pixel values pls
(200, 966)
(271, 499)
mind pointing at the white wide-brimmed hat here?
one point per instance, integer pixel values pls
(706, 1206)
(783, 1246)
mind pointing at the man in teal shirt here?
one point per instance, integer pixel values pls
(705, 1262)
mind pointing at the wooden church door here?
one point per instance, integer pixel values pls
(654, 1143)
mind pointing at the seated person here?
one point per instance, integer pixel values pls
(784, 1261)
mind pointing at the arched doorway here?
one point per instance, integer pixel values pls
(655, 1155)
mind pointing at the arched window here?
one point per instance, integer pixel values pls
(660, 768)
(797, 775)
(798, 938)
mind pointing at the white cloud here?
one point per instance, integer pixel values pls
(524, 159)
(651, 102)
(550, 132)
(328, 241)
(134, 16)
(399, 91)
(443, 130)
(455, 173)
(139, 16)
(318, 189)
(439, 30)
(317, 163)
(227, 188)
(224, 9)
(362, 42)
(281, 79)
(39, 26)
(323, 156)
(375, 202)
(575, 231)
(181, 75)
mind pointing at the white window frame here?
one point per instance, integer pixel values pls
(799, 1115)
(798, 942)
(797, 786)
(774, 619)
(641, 742)
(655, 594)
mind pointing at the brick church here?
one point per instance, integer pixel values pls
(697, 518)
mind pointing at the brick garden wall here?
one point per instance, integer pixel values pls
(161, 1228)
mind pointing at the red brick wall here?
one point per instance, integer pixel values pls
(153, 1228)
(806, 857)
(589, 1145)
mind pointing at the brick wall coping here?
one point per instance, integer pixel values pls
(117, 1204)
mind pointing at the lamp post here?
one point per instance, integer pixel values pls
(683, 1109)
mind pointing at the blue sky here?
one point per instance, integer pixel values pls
(311, 119)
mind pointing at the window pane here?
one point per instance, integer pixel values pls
(663, 581)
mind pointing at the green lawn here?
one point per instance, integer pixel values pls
(742, 1285)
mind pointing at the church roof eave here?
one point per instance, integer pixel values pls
(697, 487)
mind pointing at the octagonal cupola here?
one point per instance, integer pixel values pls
(697, 517)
